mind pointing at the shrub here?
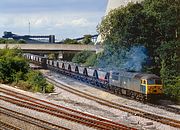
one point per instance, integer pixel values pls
(14, 69)
(22, 85)
(36, 80)
(81, 57)
(49, 88)
(91, 60)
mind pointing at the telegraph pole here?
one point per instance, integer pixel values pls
(29, 28)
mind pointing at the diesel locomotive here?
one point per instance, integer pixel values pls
(139, 86)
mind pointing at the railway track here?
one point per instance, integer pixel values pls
(31, 120)
(69, 114)
(165, 107)
(7, 126)
(155, 104)
(151, 116)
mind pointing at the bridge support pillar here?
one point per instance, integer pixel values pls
(60, 55)
(43, 63)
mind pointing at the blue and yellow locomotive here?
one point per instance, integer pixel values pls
(137, 85)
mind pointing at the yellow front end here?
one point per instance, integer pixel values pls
(154, 86)
(154, 89)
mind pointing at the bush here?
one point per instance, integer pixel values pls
(14, 69)
(91, 60)
(21, 41)
(81, 57)
(49, 88)
(22, 85)
(36, 80)
(51, 56)
(38, 83)
(70, 41)
(12, 65)
(11, 41)
(173, 90)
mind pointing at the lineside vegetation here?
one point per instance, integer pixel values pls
(11, 41)
(15, 70)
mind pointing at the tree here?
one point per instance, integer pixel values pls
(21, 41)
(91, 60)
(167, 13)
(81, 57)
(70, 41)
(170, 64)
(11, 63)
(87, 39)
(11, 41)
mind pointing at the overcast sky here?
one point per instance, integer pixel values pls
(63, 18)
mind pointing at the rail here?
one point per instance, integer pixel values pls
(86, 119)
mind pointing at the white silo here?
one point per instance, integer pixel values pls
(112, 4)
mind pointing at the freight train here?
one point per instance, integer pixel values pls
(139, 86)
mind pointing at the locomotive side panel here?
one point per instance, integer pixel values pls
(135, 86)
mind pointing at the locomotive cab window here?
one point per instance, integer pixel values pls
(154, 81)
(143, 81)
(151, 81)
(158, 81)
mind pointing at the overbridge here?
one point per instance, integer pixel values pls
(60, 49)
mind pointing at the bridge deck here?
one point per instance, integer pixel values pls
(53, 47)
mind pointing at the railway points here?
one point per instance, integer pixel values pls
(32, 104)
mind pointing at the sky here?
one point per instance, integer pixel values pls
(63, 18)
